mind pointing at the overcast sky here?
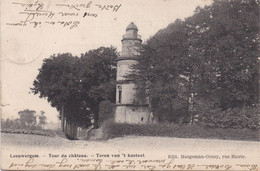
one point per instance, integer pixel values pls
(23, 48)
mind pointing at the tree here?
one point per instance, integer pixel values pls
(223, 39)
(76, 86)
(11, 124)
(27, 118)
(42, 120)
(162, 71)
(212, 56)
(98, 78)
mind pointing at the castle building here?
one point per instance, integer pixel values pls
(127, 111)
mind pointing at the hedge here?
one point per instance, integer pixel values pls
(29, 131)
(113, 130)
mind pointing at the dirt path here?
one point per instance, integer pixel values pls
(129, 142)
(151, 147)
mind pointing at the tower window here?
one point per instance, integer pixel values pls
(119, 94)
(142, 119)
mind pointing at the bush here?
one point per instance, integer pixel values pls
(113, 130)
(238, 118)
(106, 111)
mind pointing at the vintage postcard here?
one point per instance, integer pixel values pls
(130, 85)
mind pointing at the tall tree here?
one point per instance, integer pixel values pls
(97, 73)
(212, 56)
(223, 39)
(27, 118)
(76, 86)
(162, 70)
(42, 119)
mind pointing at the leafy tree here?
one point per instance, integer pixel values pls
(162, 71)
(42, 119)
(11, 123)
(212, 56)
(98, 78)
(57, 82)
(106, 111)
(223, 41)
(76, 86)
(27, 118)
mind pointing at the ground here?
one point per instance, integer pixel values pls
(128, 142)
(150, 146)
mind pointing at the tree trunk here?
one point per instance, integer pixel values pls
(96, 120)
(62, 118)
(67, 126)
(73, 130)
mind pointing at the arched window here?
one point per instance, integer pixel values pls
(119, 94)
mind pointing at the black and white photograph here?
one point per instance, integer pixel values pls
(130, 85)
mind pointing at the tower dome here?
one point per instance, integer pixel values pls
(131, 34)
(131, 26)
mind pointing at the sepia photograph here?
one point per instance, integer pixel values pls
(130, 85)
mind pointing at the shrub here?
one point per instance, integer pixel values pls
(232, 118)
(29, 131)
(113, 130)
(106, 111)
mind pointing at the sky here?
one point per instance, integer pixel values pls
(23, 48)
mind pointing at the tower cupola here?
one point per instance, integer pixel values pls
(132, 33)
(131, 26)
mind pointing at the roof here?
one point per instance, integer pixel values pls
(131, 26)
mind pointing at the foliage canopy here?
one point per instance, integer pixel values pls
(76, 85)
(210, 57)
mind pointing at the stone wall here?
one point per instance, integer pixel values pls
(132, 114)
(124, 68)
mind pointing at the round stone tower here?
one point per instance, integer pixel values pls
(127, 111)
